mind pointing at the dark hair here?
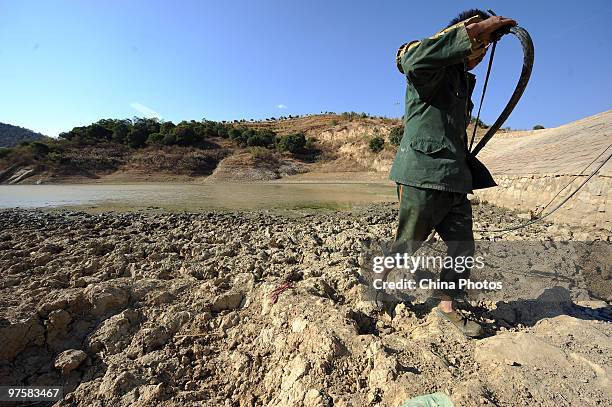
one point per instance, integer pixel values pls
(464, 15)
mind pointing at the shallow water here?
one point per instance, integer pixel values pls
(190, 197)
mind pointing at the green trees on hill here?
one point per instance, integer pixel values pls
(143, 132)
(140, 132)
(292, 143)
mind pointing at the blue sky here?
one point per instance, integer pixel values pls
(70, 63)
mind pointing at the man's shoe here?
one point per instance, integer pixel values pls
(466, 326)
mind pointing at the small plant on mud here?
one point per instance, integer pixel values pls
(538, 127)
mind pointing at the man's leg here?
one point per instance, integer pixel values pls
(419, 212)
(456, 231)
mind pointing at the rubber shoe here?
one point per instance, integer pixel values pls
(466, 326)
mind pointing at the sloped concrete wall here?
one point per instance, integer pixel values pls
(531, 167)
(590, 207)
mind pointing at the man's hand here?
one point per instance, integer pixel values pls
(482, 31)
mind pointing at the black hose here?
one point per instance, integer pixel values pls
(528, 56)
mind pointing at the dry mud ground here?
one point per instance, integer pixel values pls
(144, 308)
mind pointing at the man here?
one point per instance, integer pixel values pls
(431, 167)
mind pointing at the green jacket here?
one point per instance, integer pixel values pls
(432, 153)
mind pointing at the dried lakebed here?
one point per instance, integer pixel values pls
(170, 309)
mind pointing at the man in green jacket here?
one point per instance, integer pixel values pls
(431, 170)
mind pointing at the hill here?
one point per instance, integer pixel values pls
(143, 149)
(11, 136)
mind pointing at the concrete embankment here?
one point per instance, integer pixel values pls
(532, 167)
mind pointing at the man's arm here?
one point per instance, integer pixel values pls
(424, 63)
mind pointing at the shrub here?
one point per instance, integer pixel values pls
(77, 134)
(239, 135)
(149, 125)
(155, 138)
(169, 139)
(377, 144)
(261, 153)
(310, 143)
(54, 156)
(262, 138)
(396, 134)
(234, 133)
(185, 135)
(222, 131)
(166, 127)
(120, 133)
(349, 115)
(294, 143)
(96, 133)
(39, 149)
(137, 137)
(5, 151)
(257, 140)
(538, 127)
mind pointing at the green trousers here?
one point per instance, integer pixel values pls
(448, 213)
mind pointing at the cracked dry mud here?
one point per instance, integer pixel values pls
(144, 308)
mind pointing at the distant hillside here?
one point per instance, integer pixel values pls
(299, 148)
(238, 151)
(11, 136)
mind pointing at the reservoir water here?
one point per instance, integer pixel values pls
(195, 197)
